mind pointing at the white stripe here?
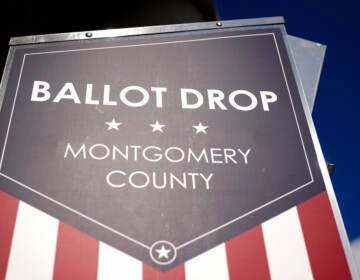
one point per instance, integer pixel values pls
(114, 264)
(285, 247)
(211, 265)
(33, 246)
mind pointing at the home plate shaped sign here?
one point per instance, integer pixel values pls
(161, 145)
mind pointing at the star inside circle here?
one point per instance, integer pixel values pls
(163, 252)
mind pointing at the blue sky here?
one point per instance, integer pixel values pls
(336, 113)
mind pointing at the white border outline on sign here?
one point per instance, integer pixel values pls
(147, 44)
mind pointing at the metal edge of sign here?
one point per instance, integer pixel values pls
(322, 164)
(6, 74)
(300, 49)
(132, 31)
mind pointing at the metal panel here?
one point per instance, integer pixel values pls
(309, 58)
(322, 163)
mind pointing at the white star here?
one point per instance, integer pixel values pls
(163, 252)
(200, 128)
(113, 125)
(157, 126)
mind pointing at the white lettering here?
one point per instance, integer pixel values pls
(110, 183)
(207, 179)
(40, 91)
(184, 98)
(249, 107)
(245, 155)
(158, 95)
(67, 92)
(75, 155)
(215, 97)
(99, 147)
(88, 95)
(137, 186)
(266, 98)
(145, 96)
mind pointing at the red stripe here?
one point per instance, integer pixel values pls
(177, 273)
(246, 256)
(8, 211)
(322, 239)
(76, 255)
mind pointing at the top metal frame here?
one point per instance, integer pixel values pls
(109, 33)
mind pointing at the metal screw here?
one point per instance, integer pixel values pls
(88, 34)
(218, 23)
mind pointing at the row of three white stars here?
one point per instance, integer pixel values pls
(157, 126)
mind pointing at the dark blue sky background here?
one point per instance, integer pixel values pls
(336, 113)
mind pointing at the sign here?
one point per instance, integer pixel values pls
(162, 146)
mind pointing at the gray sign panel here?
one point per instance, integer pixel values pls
(162, 146)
